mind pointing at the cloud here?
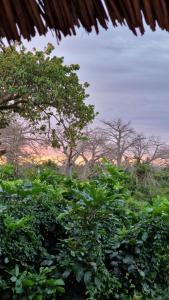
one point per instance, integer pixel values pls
(128, 75)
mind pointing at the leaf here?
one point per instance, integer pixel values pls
(144, 236)
(149, 209)
(2, 208)
(59, 282)
(113, 254)
(60, 289)
(39, 297)
(28, 282)
(14, 224)
(98, 282)
(94, 265)
(128, 260)
(66, 273)
(79, 275)
(72, 253)
(16, 270)
(87, 277)
(18, 289)
(142, 274)
(13, 278)
(47, 262)
(6, 260)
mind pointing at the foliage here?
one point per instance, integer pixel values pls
(40, 80)
(6, 172)
(28, 285)
(141, 259)
(40, 88)
(65, 238)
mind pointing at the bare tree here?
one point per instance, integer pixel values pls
(65, 130)
(121, 138)
(19, 142)
(93, 148)
(60, 134)
(158, 150)
(149, 149)
(140, 148)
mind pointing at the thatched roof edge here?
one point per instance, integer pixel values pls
(26, 18)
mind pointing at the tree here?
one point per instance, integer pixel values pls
(149, 150)
(33, 82)
(140, 148)
(64, 127)
(19, 142)
(121, 136)
(158, 150)
(41, 89)
(93, 149)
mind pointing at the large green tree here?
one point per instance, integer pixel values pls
(31, 82)
(39, 87)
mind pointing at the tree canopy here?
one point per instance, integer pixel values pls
(36, 83)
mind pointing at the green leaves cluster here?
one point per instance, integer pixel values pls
(63, 238)
(37, 85)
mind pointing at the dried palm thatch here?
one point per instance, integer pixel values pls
(26, 18)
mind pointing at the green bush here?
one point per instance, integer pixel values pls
(71, 239)
(7, 172)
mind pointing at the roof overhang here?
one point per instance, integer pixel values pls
(25, 18)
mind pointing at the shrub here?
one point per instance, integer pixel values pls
(72, 239)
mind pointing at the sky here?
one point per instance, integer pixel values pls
(128, 75)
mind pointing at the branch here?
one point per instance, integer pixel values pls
(12, 106)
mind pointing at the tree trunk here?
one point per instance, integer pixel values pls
(119, 160)
(69, 168)
(119, 156)
(69, 164)
(84, 172)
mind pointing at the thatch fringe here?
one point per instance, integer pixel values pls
(24, 18)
